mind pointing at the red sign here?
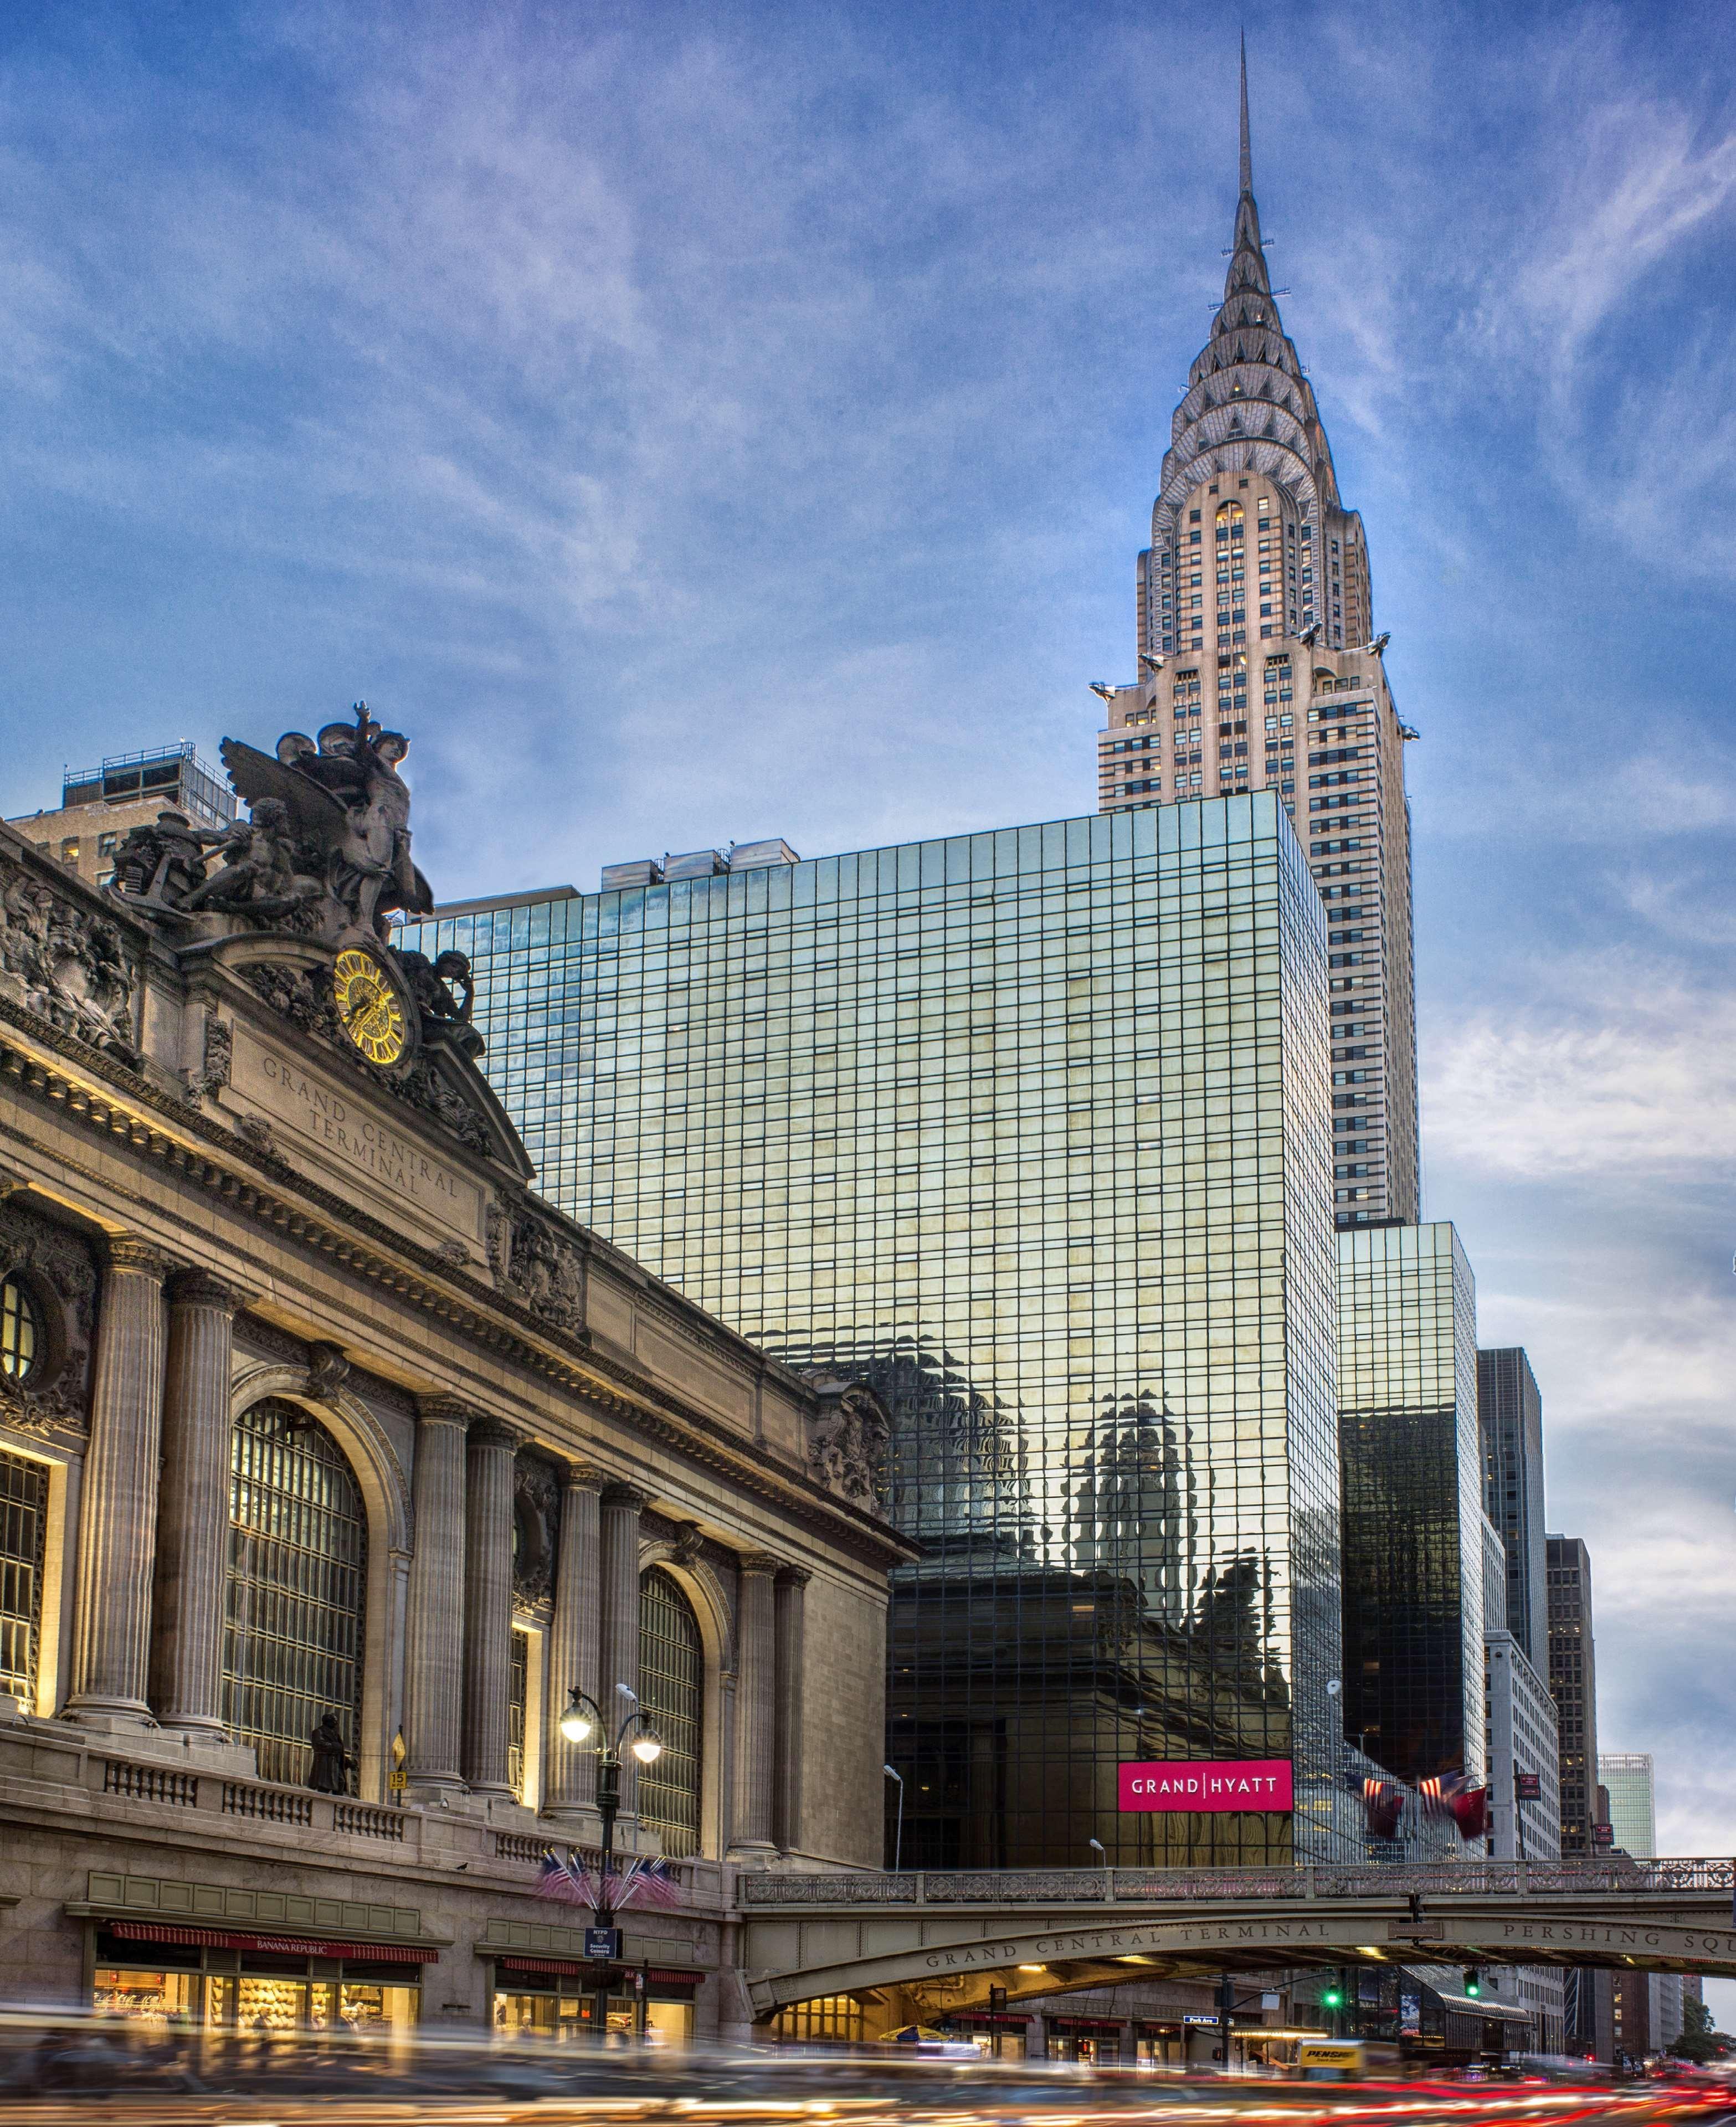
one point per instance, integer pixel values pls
(1188, 1783)
(375, 1953)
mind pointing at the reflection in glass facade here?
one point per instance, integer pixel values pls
(1032, 1129)
(1414, 1526)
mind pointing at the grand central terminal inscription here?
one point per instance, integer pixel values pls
(359, 1147)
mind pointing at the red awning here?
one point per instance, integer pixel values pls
(986, 2016)
(1083, 2024)
(659, 1976)
(279, 1945)
(561, 1965)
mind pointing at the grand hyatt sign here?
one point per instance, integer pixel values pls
(1214, 1785)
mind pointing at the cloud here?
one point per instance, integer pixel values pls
(1620, 1073)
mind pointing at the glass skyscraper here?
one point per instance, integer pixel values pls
(1032, 1130)
(1416, 1539)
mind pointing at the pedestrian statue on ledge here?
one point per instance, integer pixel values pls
(331, 1774)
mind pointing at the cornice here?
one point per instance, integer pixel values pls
(112, 1105)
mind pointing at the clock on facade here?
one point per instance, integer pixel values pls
(369, 1006)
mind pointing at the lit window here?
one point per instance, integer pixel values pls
(672, 1687)
(21, 1331)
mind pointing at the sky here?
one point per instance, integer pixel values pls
(697, 424)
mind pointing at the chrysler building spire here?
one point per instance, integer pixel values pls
(1256, 619)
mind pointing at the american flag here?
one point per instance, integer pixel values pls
(648, 1880)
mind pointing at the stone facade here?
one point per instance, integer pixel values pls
(212, 1205)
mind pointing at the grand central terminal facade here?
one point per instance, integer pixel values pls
(333, 1461)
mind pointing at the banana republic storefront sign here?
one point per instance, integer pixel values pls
(358, 1146)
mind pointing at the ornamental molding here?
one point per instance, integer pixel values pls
(111, 1106)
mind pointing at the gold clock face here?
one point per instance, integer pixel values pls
(368, 1006)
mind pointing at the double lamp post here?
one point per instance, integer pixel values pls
(582, 1720)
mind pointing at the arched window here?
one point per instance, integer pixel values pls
(297, 1580)
(672, 1690)
(22, 1342)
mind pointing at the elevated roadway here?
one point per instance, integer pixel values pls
(1036, 1932)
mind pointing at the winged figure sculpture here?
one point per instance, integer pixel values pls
(348, 812)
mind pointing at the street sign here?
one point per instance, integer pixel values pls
(1528, 1786)
(603, 1943)
(397, 1782)
(1603, 1834)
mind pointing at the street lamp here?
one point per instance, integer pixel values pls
(898, 1846)
(583, 1719)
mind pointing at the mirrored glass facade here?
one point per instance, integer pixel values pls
(1032, 1129)
(1414, 1526)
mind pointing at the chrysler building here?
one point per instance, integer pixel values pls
(1260, 668)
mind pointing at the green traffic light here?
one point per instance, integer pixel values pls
(1473, 1982)
(1333, 1998)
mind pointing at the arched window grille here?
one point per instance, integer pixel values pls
(20, 1331)
(672, 1691)
(298, 1579)
(23, 1527)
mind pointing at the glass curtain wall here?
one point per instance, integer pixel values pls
(1032, 1129)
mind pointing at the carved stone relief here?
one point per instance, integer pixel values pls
(538, 1266)
(59, 1273)
(66, 965)
(847, 1439)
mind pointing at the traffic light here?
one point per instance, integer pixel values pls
(1332, 1996)
(1474, 1982)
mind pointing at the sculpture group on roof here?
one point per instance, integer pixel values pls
(326, 849)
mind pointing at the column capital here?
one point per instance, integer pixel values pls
(128, 1252)
(584, 1477)
(494, 1433)
(759, 1561)
(619, 1494)
(444, 1410)
(794, 1576)
(202, 1288)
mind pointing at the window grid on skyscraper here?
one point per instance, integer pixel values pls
(1030, 1130)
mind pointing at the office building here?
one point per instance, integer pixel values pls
(1510, 1417)
(99, 805)
(1625, 1777)
(1524, 1775)
(1260, 668)
(1573, 1686)
(1030, 1129)
(1418, 1551)
(331, 1460)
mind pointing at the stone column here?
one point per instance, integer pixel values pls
(192, 1506)
(117, 1525)
(755, 1704)
(789, 1600)
(488, 1606)
(434, 1659)
(621, 1506)
(575, 1639)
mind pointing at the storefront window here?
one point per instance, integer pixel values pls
(23, 1526)
(297, 1577)
(827, 2017)
(669, 2023)
(149, 1997)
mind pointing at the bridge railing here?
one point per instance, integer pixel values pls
(935, 1887)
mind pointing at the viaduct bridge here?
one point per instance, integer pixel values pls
(952, 1935)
